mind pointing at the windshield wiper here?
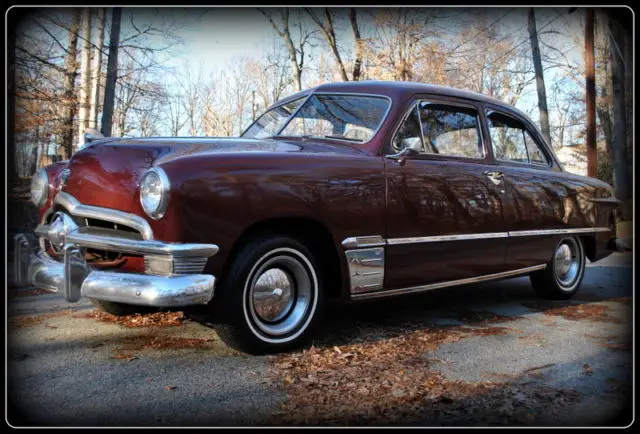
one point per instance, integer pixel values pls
(352, 139)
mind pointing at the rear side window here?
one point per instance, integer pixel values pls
(512, 142)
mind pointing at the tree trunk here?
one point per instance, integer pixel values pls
(85, 73)
(537, 65)
(590, 96)
(71, 68)
(621, 178)
(112, 73)
(12, 164)
(359, 45)
(97, 71)
(330, 36)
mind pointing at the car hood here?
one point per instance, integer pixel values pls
(107, 172)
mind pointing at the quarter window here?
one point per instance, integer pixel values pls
(512, 142)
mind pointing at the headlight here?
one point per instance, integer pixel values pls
(154, 193)
(39, 187)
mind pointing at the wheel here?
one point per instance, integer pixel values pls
(272, 296)
(121, 309)
(562, 277)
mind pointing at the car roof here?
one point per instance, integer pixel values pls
(399, 90)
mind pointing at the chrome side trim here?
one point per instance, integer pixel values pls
(431, 286)
(133, 246)
(365, 241)
(439, 238)
(366, 269)
(557, 232)
(114, 216)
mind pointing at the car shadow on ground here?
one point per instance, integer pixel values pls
(474, 304)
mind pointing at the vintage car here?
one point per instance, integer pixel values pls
(349, 191)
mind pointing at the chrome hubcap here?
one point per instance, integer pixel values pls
(567, 262)
(281, 295)
(273, 294)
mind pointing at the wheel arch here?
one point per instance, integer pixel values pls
(312, 233)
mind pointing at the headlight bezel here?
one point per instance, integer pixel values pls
(165, 186)
(40, 176)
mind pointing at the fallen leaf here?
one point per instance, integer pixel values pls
(337, 350)
(124, 356)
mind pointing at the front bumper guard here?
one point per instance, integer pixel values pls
(74, 279)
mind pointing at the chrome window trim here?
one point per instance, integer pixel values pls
(448, 283)
(74, 207)
(428, 101)
(268, 109)
(544, 149)
(371, 95)
(485, 154)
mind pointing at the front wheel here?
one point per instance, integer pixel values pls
(562, 277)
(272, 296)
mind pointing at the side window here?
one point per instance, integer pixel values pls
(535, 153)
(409, 132)
(450, 130)
(507, 137)
(512, 142)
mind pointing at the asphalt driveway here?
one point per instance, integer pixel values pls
(489, 354)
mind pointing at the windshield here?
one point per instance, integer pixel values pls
(347, 117)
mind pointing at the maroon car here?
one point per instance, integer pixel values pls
(348, 190)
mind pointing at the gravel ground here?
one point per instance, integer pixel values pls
(66, 368)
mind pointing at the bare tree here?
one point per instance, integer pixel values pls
(621, 176)
(326, 26)
(296, 51)
(359, 45)
(85, 72)
(71, 67)
(97, 70)
(112, 73)
(537, 64)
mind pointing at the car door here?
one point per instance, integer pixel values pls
(444, 204)
(539, 200)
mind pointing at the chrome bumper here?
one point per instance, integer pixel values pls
(74, 279)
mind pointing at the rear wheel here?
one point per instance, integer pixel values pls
(562, 277)
(121, 309)
(272, 296)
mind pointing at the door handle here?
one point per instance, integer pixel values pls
(495, 176)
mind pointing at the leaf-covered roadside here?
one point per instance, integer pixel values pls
(392, 380)
(156, 319)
